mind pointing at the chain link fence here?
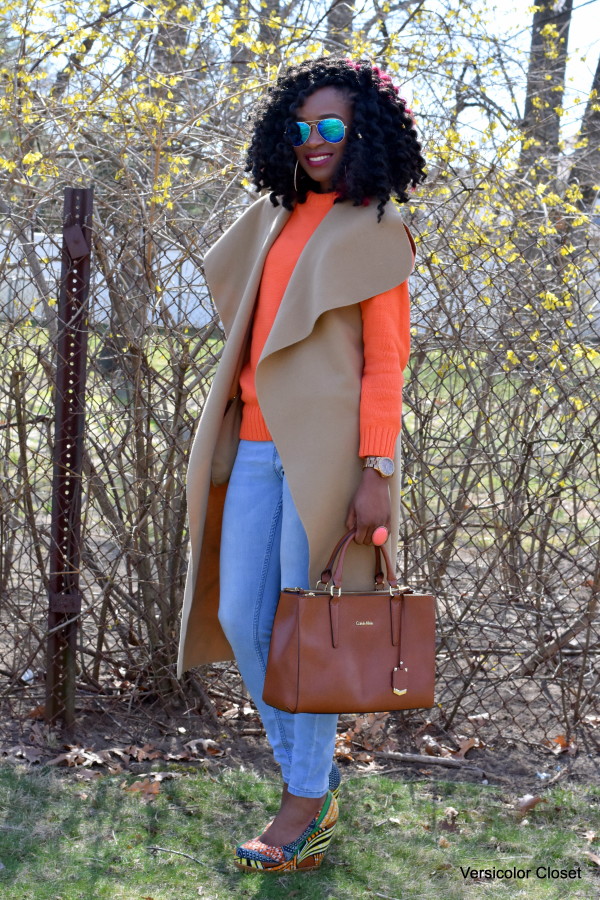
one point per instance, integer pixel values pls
(501, 482)
(500, 499)
(153, 343)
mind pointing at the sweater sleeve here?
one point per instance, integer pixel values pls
(386, 340)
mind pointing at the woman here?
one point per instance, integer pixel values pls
(298, 439)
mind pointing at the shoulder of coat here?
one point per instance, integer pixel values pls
(261, 213)
(367, 215)
(259, 207)
(362, 220)
(252, 221)
(263, 204)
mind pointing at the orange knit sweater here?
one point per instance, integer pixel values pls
(386, 338)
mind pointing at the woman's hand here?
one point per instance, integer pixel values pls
(370, 507)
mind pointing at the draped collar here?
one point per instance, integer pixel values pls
(348, 258)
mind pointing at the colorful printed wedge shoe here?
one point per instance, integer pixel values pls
(306, 852)
(335, 780)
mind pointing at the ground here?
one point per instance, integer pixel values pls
(116, 734)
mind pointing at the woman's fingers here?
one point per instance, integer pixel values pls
(351, 518)
(362, 534)
(370, 507)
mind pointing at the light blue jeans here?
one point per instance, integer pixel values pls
(264, 548)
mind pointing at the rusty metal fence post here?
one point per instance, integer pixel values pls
(64, 604)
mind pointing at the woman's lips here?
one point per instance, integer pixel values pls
(319, 159)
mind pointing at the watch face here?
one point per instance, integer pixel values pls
(386, 466)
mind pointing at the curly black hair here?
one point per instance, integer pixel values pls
(383, 162)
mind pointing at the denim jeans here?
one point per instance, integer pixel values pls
(264, 548)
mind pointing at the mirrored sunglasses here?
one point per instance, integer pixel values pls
(331, 130)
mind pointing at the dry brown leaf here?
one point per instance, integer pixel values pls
(116, 751)
(38, 712)
(77, 756)
(363, 756)
(560, 744)
(590, 836)
(479, 718)
(443, 842)
(64, 759)
(367, 733)
(148, 751)
(464, 747)
(449, 822)
(151, 752)
(527, 802)
(161, 776)
(343, 747)
(91, 758)
(368, 730)
(41, 732)
(592, 720)
(375, 723)
(341, 753)
(206, 744)
(593, 856)
(131, 751)
(433, 747)
(22, 751)
(422, 728)
(149, 789)
(87, 775)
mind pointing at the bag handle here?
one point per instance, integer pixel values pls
(326, 573)
(337, 575)
(340, 548)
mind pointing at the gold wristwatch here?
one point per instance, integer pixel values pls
(382, 464)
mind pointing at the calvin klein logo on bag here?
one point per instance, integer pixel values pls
(364, 623)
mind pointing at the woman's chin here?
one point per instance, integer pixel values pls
(317, 184)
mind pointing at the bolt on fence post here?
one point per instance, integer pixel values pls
(64, 600)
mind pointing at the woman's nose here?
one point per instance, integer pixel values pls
(314, 138)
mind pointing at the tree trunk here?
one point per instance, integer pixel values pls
(586, 159)
(339, 24)
(545, 84)
(267, 34)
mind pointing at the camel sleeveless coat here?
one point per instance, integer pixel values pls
(308, 382)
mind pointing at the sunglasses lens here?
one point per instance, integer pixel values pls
(298, 133)
(331, 130)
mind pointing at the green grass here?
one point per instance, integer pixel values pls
(65, 839)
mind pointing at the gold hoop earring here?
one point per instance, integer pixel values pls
(295, 173)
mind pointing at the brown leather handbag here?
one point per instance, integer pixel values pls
(335, 651)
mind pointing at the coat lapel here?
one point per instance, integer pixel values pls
(349, 258)
(233, 265)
